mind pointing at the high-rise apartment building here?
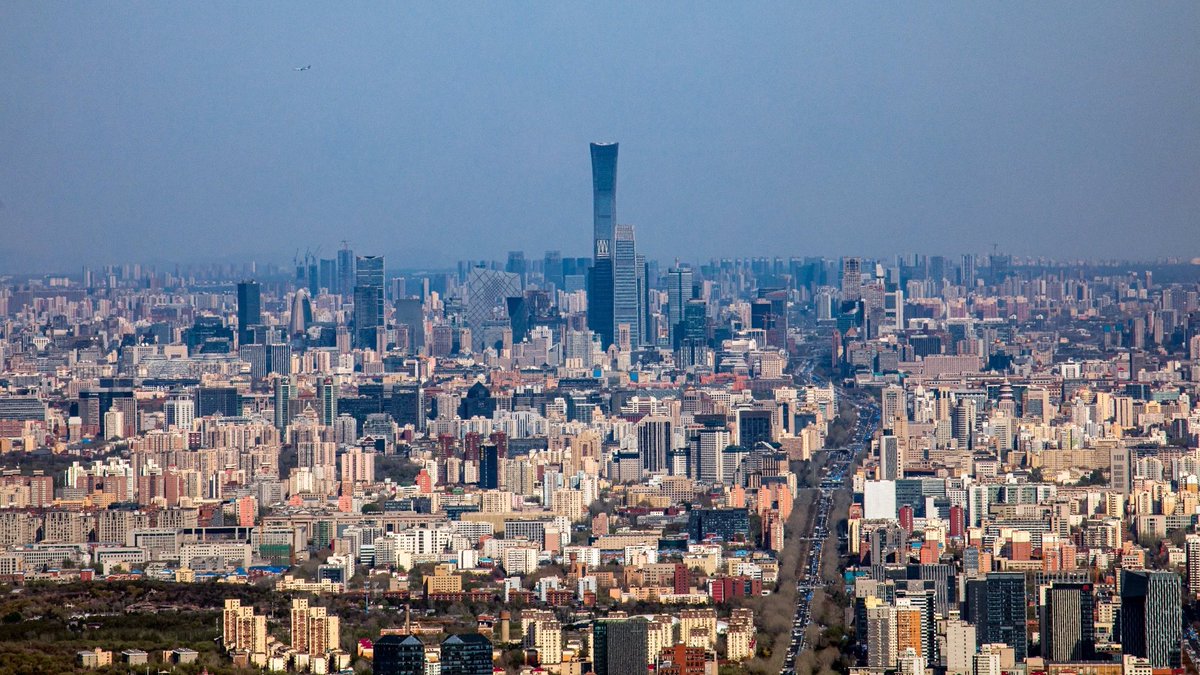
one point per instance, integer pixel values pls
(314, 631)
(1192, 550)
(880, 634)
(243, 629)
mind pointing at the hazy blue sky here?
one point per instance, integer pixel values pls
(432, 132)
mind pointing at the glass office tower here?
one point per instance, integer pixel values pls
(679, 292)
(368, 299)
(249, 310)
(345, 270)
(626, 305)
(604, 213)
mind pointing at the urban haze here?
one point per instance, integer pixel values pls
(599, 339)
(169, 132)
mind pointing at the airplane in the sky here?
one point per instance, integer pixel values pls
(303, 68)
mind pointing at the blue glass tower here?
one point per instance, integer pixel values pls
(604, 214)
(626, 300)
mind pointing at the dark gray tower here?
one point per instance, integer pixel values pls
(249, 310)
(1068, 623)
(368, 299)
(1151, 616)
(345, 270)
(679, 292)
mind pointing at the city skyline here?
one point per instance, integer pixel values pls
(311, 360)
(822, 132)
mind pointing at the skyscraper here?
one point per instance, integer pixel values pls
(1004, 612)
(249, 310)
(654, 442)
(517, 265)
(284, 393)
(761, 317)
(302, 312)
(679, 291)
(487, 307)
(646, 277)
(410, 313)
(620, 646)
(1151, 616)
(489, 467)
(851, 278)
(890, 466)
(368, 299)
(626, 300)
(328, 276)
(327, 398)
(180, 413)
(604, 213)
(776, 322)
(552, 269)
(1068, 623)
(693, 341)
(225, 401)
(345, 270)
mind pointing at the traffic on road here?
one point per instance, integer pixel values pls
(841, 461)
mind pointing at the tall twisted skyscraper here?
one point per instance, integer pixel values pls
(604, 214)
